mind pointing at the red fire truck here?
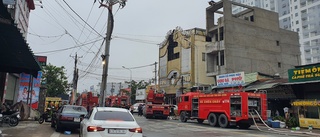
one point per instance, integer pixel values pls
(117, 101)
(155, 107)
(223, 109)
(87, 100)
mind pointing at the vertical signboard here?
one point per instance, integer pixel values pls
(33, 91)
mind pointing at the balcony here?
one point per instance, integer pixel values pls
(214, 47)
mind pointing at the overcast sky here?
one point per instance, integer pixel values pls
(138, 28)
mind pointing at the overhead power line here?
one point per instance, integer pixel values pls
(68, 48)
(55, 36)
(81, 18)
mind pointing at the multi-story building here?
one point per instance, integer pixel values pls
(182, 62)
(16, 56)
(301, 16)
(249, 40)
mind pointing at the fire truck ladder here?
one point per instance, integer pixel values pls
(195, 106)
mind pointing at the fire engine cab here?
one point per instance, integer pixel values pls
(223, 109)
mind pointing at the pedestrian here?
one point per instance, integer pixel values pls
(131, 109)
(140, 110)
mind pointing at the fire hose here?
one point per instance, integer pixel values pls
(279, 131)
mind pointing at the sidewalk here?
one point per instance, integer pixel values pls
(302, 131)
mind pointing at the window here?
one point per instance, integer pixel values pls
(252, 18)
(203, 56)
(222, 58)
(298, 29)
(113, 115)
(208, 39)
(279, 64)
(278, 43)
(74, 109)
(186, 98)
(297, 22)
(307, 51)
(296, 14)
(308, 60)
(315, 50)
(296, 7)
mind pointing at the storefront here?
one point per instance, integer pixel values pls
(308, 112)
(15, 56)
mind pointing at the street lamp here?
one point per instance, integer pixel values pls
(130, 82)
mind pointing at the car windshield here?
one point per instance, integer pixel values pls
(113, 116)
(74, 109)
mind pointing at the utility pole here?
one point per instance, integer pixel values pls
(105, 57)
(155, 76)
(119, 87)
(75, 79)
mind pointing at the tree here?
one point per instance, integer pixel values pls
(136, 85)
(55, 80)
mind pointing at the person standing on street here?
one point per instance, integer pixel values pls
(140, 110)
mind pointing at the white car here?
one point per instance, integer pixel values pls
(109, 121)
(135, 107)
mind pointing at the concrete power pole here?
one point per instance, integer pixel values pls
(75, 80)
(155, 76)
(105, 57)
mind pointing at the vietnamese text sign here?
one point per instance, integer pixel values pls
(230, 80)
(308, 73)
(306, 122)
(310, 103)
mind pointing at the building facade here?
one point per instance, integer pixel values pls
(301, 16)
(19, 11)
(182, 62)
(249, 40)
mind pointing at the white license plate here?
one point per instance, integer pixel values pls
(117, 131)
(76, 119)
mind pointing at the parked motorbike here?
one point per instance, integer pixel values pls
(10, 116)
(46, 116)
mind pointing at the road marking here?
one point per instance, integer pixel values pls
(55, 134)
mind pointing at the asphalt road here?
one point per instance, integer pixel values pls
(151, 128)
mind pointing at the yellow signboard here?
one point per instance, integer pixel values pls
(311, 103)
(306, 122)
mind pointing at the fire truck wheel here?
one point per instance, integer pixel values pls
(212, 119)
(200, 121)
(183, 117)
(223, 121)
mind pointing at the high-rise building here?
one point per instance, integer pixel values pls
(301, 16)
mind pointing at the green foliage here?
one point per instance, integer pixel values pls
(136, 85)
(280, 118)
(292, 122)
(55, 79)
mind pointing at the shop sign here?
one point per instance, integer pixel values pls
(311, 103)
(308, 73)
(42, 60)
(230, 80)
(306, 122)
